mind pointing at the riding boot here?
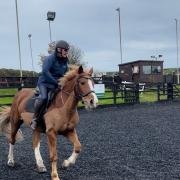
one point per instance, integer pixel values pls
(37, 108)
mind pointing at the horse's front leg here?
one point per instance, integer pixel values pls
(72, 136)
(36, 146)
(52, 142)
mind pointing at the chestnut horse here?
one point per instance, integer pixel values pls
(61, 117)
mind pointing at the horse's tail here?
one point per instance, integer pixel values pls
(5, 125)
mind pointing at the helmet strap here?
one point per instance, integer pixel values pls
(59, 54)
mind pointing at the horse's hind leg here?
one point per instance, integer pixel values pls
(14, 129)
(72, 136)
(11, 156)
(36, 146)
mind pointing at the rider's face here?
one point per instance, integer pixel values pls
(62, 52)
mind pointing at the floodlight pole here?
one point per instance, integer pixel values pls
(120, 44)
(177, 44)
(50, 31)
(32, 61)
(19, 46)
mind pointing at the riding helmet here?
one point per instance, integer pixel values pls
(62, 44)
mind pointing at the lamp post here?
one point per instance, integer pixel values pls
(30, 45)
(160, 56)
(19, 45)
(120, 44)
(50, 17)
(156, 57)
(177, 45)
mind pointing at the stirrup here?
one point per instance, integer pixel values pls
(33, 123)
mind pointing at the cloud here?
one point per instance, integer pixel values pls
(147, 45)
(103, 60)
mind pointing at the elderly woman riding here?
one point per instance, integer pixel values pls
(54, 67)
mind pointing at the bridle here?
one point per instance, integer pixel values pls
(77, 90)
(78, 95)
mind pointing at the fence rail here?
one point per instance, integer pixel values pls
(124, 92)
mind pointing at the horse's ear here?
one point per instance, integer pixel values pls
(91, 71)
(80, 70)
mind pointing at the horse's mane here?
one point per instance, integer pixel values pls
(69, 75)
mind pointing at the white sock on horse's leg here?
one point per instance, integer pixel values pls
(11, 155)
(73, 157)
(71, 160)
(39, 161)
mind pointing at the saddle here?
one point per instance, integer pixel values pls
(30, 107)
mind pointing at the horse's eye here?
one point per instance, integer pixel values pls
(82, 83)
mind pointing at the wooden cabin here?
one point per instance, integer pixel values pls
(142, 71)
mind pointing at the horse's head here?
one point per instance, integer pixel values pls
(80, 81)
(84, 88)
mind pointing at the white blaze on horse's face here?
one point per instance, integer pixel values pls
(91, 100)
(93, 93)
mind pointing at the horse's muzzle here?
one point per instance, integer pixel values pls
(89, 103)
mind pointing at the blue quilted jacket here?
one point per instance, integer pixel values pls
(53, 68)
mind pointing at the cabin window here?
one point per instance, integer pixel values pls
(156, 69)
(135, 69)
(146, 69)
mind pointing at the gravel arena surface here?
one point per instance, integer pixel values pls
(135, 142)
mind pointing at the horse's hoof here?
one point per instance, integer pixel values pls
(42, 169)
(65, 164)
(10, 163)
(57, 178)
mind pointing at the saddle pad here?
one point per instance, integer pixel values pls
(30, 104)
(30, 108)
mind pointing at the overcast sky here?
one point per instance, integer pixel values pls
(148, 28)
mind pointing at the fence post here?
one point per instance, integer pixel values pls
(169, 91)
(125, 94)
(164, 89)
(114, 93)
(21, 86)
(158, 92)
(137, 93)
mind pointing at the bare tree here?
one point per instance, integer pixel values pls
(75, 54)
(42, 57)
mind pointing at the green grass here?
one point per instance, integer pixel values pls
(7, 100)
(144, 97)
(150, 97)
(7, 91)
